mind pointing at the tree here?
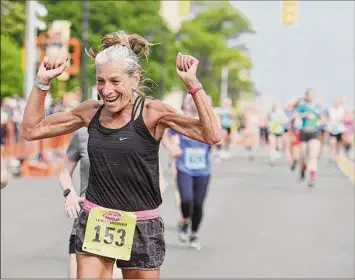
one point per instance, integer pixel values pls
(13, 19)
(206, 36)
(131, 16)
(11, 72)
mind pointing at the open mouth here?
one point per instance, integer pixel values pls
(112, 99)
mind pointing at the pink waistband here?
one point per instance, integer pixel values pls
(141, 215)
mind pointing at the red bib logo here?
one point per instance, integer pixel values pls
(112, 216)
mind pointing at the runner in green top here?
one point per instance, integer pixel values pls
(310, 114)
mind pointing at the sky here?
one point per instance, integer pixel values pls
(318, 52)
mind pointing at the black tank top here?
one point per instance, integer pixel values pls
(124, 164)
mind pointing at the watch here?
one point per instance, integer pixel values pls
(66, 192)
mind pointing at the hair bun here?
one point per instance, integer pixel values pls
(138, 44)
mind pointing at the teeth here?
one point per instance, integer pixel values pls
(112, 99)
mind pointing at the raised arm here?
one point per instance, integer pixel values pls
(35, 124)
(204, 129)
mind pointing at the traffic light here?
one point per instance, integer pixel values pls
(289, 12)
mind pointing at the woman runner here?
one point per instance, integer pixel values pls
(335, 126)
(123, 146)
(277, 119)
(193, 166)
(310, 113)
(77, 152)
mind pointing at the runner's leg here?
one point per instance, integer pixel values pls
(72, 258)
(333, 147)
(199, 192)
(286, 138)
(272, 148)
(303, 159)
(93, 267)
(185, 186)
(314, 146)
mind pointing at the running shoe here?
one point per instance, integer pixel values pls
(312, 179)
(194, 243)
(183, 236)
(311, 183)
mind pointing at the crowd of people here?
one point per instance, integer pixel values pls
(117, 138)
(299, 130)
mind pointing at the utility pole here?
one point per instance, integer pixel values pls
(33, 9)
(224, 84)
(84, 42)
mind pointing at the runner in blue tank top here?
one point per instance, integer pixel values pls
(193, 165)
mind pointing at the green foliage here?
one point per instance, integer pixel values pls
(13, 19)
(11, 72)
(205, 37)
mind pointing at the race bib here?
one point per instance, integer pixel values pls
(110, 233)
(195, 158)
(276, 127)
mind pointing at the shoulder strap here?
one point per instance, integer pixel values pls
(142, 105)
(97, 115)
(137, 104)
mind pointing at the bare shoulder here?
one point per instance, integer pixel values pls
(158, 107)
(155, 113)
(87, 110)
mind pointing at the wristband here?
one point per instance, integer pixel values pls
(194, 90)
(40, 86)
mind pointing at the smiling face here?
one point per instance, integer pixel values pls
(115, 87)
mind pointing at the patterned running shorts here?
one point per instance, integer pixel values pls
(148, 250)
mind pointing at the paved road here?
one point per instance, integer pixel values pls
(259, 222)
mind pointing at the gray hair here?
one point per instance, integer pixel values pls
(122, 48)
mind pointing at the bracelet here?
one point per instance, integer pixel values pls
(194, 90)
(40, 86)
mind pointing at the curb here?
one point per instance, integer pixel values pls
(347, 166)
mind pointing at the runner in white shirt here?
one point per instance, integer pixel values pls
(277, 121)
(335, 126)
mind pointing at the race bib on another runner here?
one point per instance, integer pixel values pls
(110, 233)
(276, 127)
(195, 158)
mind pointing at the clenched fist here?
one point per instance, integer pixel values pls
(50, 68)
(186, 68)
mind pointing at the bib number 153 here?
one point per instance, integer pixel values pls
(111, 236)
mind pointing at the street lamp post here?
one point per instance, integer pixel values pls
(33, 9)
(84, 41)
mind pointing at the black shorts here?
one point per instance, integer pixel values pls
(277, 134)
(148, 250)
(72, 244)
(337, 136)
(306, 136)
